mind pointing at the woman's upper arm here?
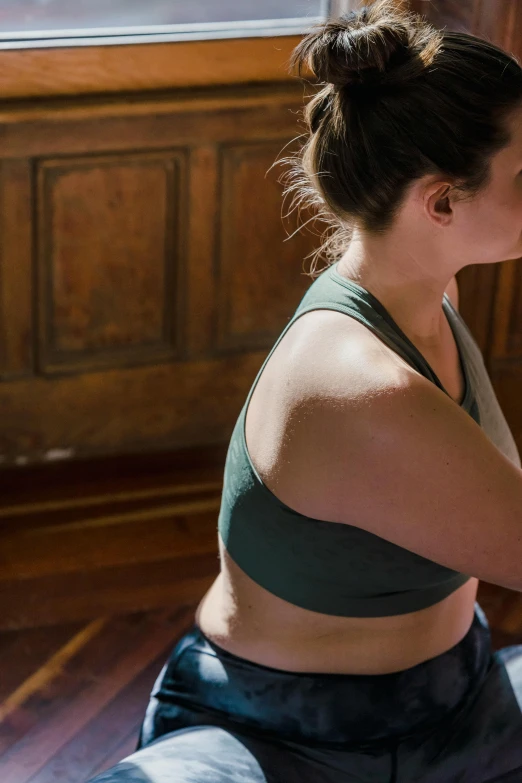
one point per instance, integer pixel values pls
(429, 479)
(413, 467)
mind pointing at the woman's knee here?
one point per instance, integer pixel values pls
(203, 753)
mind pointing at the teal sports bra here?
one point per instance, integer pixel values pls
(327, 567)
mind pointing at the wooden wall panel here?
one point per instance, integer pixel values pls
(16, 270)
(506, 340)
(183, 118)
(158, 246)
(170, 405)
(110, 236)
(477, 284)
(203, 232)
(258, 271)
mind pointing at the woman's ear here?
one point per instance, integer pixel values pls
(438, 203)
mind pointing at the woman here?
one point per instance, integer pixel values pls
(371, 479)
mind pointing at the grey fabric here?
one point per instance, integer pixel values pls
(492, 419)
(203, 754)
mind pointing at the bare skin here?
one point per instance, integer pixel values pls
(434, 236)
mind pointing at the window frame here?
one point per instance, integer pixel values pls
(47, 67)
(152, 34)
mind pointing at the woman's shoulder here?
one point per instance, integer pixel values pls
(330, 366)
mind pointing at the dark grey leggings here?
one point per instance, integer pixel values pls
(216, 718)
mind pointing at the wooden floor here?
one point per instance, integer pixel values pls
(101, 568)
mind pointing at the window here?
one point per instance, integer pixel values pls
(84, 22)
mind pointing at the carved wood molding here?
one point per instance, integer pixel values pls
(99, 219)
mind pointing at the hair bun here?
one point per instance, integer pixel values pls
(358, 48)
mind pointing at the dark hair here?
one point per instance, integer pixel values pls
(400, 100)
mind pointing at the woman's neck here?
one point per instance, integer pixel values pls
(411, 290)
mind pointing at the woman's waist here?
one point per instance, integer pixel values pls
(269, 631)
(326, 708)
